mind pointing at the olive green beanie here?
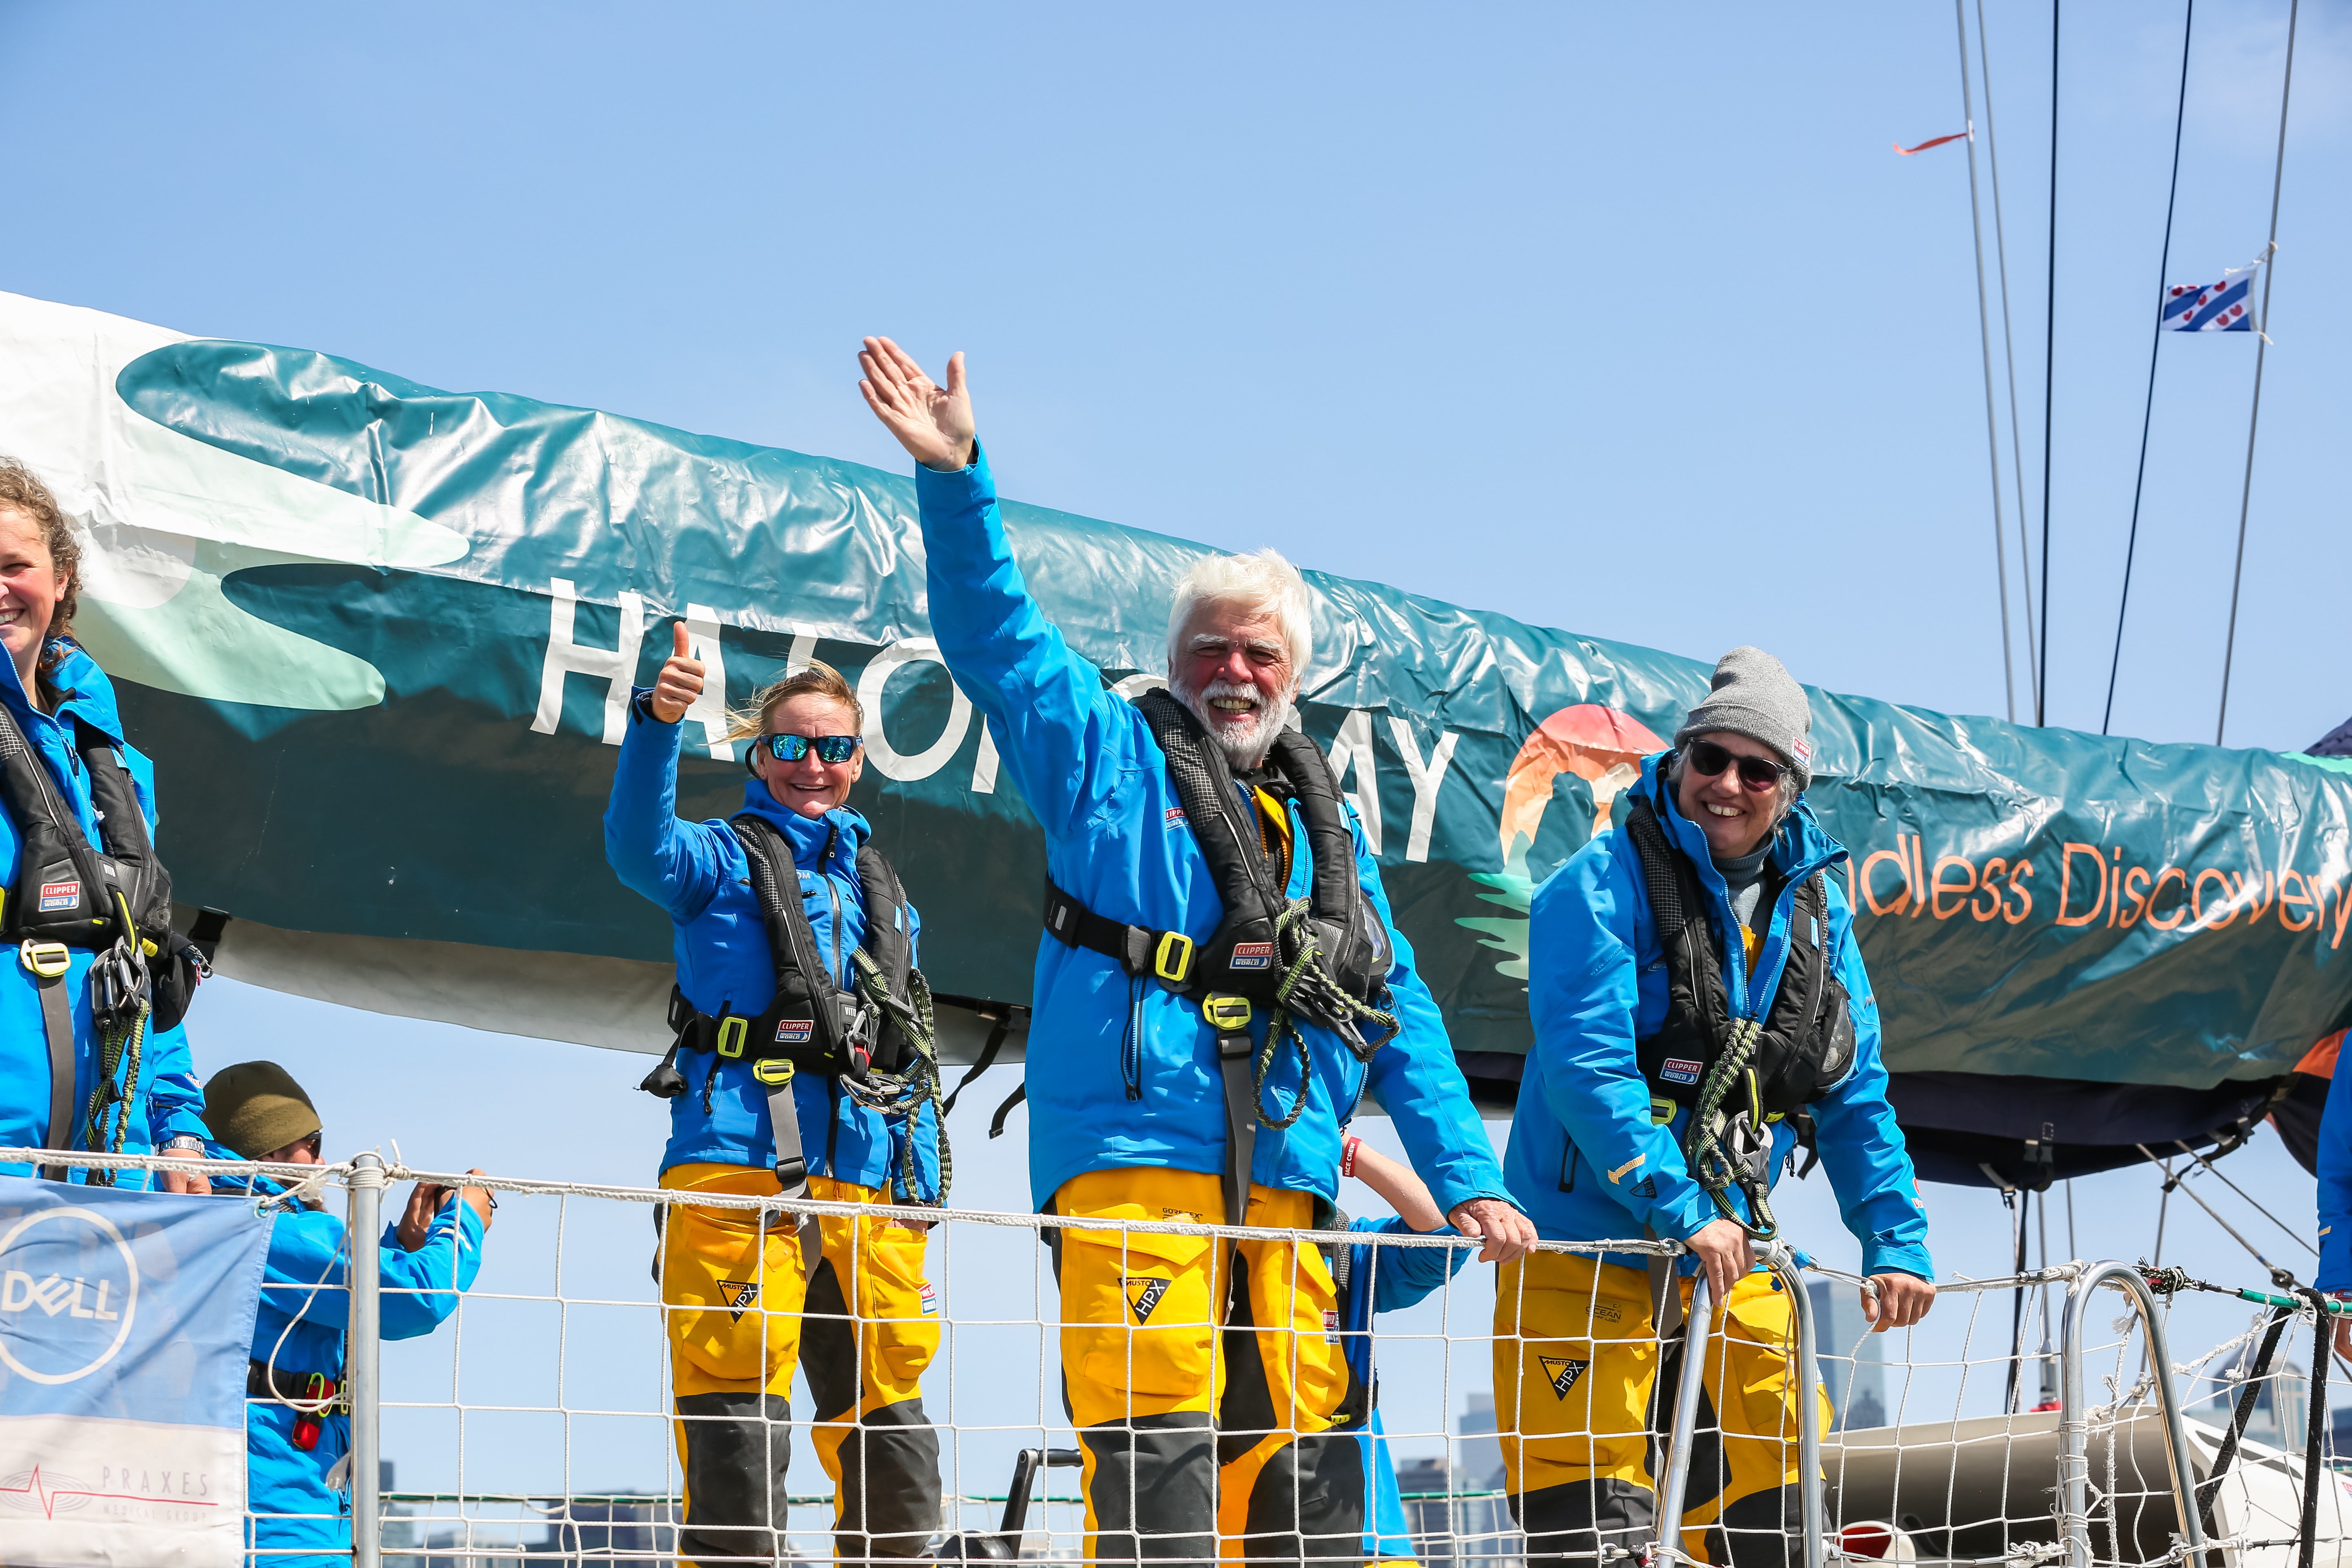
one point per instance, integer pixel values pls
(256, 1108)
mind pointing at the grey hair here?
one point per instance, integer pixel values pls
(1260, 581)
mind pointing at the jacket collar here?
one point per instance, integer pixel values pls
(808, 834)
(89, 695)
(1800, 847)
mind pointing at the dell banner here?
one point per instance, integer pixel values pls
(125, 1320)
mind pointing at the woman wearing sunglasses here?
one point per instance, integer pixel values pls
(1696, 957)
(795, 954)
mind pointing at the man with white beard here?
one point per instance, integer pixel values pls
(1198, 854)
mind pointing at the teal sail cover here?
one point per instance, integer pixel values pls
(379, 638)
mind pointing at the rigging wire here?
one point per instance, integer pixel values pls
(2049, 376)
(2154, 340)
(2215, 1170)
(1984, 335)
(2262, 333)
(2008, 350)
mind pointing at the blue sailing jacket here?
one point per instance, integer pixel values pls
(1123, 1072)
(2336, 1181)
(696, 871)
(1586, 1159)
(305, 1309)
(166, 1101)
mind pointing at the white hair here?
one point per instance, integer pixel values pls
(1259, 582)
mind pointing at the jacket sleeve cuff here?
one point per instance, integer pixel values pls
(1912, 1260)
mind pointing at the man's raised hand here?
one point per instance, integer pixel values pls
(932, 422)
(680, 684)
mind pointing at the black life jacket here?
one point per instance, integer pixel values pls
(812, 1022)
(1806, 1047)
(1242, 957)
(68, 890)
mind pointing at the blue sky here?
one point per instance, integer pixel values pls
(1624, 319)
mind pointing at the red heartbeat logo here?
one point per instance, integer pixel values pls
(46, 1497)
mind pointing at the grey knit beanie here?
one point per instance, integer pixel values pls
(1754, 695)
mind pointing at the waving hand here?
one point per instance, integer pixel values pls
(932, 422)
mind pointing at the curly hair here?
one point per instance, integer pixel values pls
(22, 489)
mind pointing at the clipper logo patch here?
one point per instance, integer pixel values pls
(1253, 955)
(738, 1296)
(931, 1301)
(1143, 1294)
(1174, 817)
(795, 1031)
(59, 896)
(1677, 1070)
(1562, 1372)
(1330, 1326)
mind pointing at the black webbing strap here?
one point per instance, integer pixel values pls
(1139, 949)
(1235, 1052)
(792, 1159)
(57, 1022)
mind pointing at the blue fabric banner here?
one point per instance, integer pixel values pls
(125, 1321)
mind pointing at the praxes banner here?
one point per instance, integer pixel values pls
(125, 1321)
(380, 638)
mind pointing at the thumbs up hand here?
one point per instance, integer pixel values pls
(680, 683)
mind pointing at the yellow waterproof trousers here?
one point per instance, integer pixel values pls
(739, 1306)
(1216, 1407)
(1577, 1399)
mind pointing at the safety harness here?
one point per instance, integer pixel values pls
(1325, 958)
(113, 899)
(875, 1040)
(1736, 1075)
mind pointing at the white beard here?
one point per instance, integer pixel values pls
(1245, 737)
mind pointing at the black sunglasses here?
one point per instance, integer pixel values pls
(830, 748)
(1708, 759)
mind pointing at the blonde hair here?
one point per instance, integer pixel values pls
(814, 678)
(1260, 581)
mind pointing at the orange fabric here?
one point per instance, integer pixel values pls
(2320, 1060)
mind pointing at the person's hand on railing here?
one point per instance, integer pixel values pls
(194, 1183)
(1723, 1256)
(1508, 1234)
(425, 1201)
(1901, 1301)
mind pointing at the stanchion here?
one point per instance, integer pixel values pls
(362, 1364)
(2074, 1419)
(1667, 1547)
(1811, 1511)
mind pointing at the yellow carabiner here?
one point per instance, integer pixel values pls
(1172, 960)
(773, 1071)
(47, 959)
(732, 1033)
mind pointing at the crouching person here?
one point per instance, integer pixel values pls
(1695, 954)
(298, 1427)
(804, 1068)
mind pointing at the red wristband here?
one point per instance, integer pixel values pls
(1347, 1147)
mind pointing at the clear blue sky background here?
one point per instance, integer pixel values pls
(1624, 320)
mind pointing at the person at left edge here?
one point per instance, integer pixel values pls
(75, 1077)
(296, 1418)
(796, 988)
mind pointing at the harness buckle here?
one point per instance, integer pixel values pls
(1226, 1014)
(47, 959)
(1172, 961)
(732, 1032)
(773, 1072)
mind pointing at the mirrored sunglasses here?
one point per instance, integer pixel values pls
(1708, 759)
(830, 748)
